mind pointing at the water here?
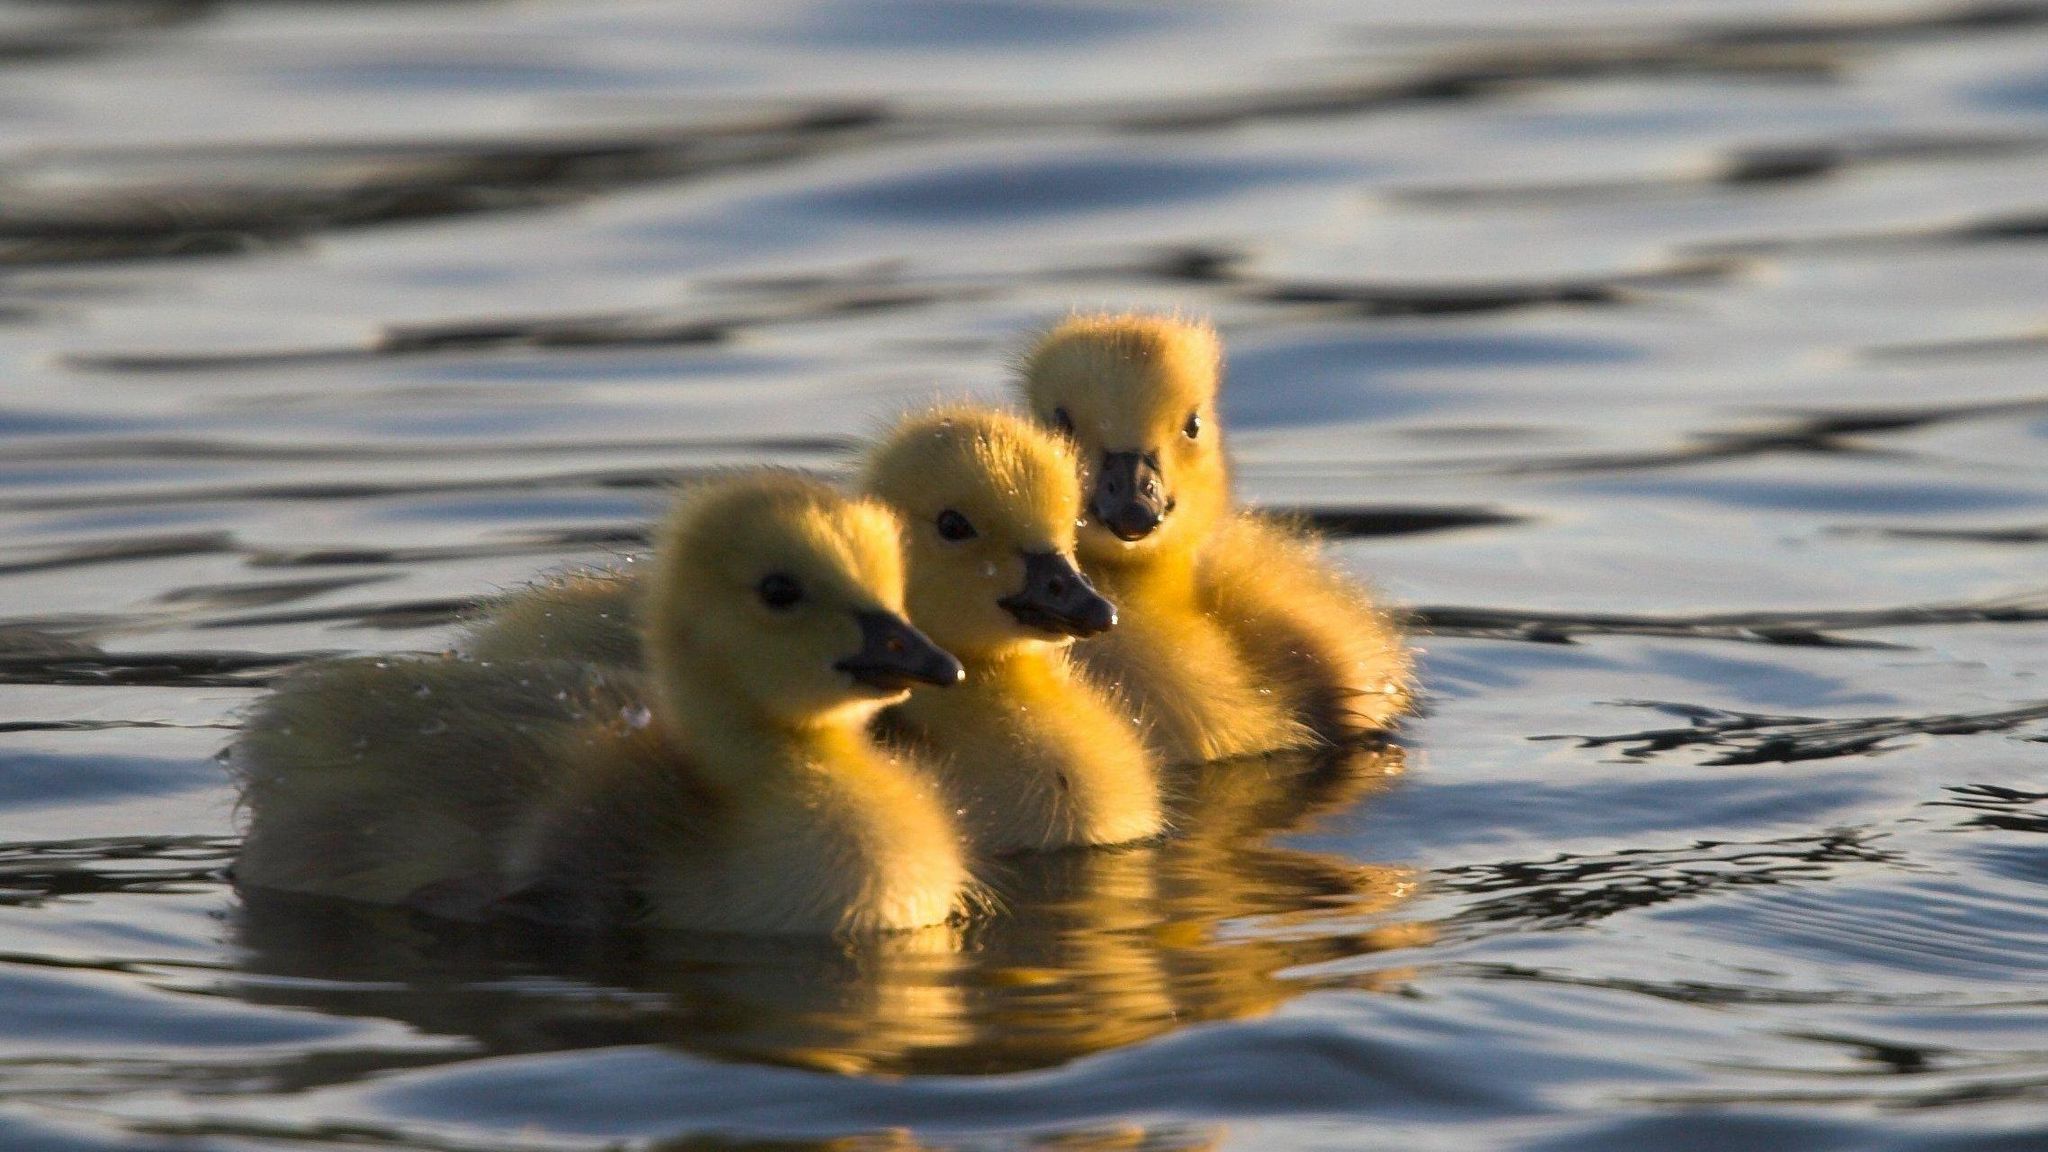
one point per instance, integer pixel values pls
(1680, 364)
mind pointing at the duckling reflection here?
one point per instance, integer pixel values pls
(1237, 638)
(1244, 909)
(852, 1005)
(1092, 950)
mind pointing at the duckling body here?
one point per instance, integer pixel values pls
(1302, 624)
(729, 785)
(1184, 671)
(400, 780)
(829, 834)
(1034, 757)
(1239, 637)
(1032, 754)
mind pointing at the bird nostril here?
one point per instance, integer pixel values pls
(1056, 586)
(895, 645)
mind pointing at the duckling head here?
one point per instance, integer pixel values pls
(776, 593)
(1136, 396)
(989, 505)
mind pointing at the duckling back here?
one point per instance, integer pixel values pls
(398, 780)
(585, 616)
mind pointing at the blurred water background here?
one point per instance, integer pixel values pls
(1679, 363)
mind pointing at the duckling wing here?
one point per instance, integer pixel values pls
(1306, 627)
(586, 616)
(398, 780)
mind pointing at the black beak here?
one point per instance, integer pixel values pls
(893, 655)
(1057, 598)
(1129, 499)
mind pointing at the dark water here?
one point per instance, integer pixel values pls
(1681, 364)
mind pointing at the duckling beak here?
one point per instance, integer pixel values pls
(893, 655)
(1129, 499)
(1058, 599)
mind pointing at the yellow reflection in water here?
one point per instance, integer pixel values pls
(1091, 950)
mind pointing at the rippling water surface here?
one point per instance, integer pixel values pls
(1681, 366)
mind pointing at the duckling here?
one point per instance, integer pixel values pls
(1238, 637)
(1032, 754)
(727, 785)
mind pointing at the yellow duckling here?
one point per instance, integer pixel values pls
(730, 786)
(1238, 637)
(1031, 754)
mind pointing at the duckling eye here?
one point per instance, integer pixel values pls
(1062, 421)
(779, 590)
(1193, 427)
(954, 526)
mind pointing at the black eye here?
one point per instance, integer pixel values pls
(1193, 427)
(1062, 421)
(779, 590)
(954, 526)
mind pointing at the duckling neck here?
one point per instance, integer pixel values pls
(735, 740)
(1024, 673)
(736, 750)
(1147, 583)
(994, 677)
